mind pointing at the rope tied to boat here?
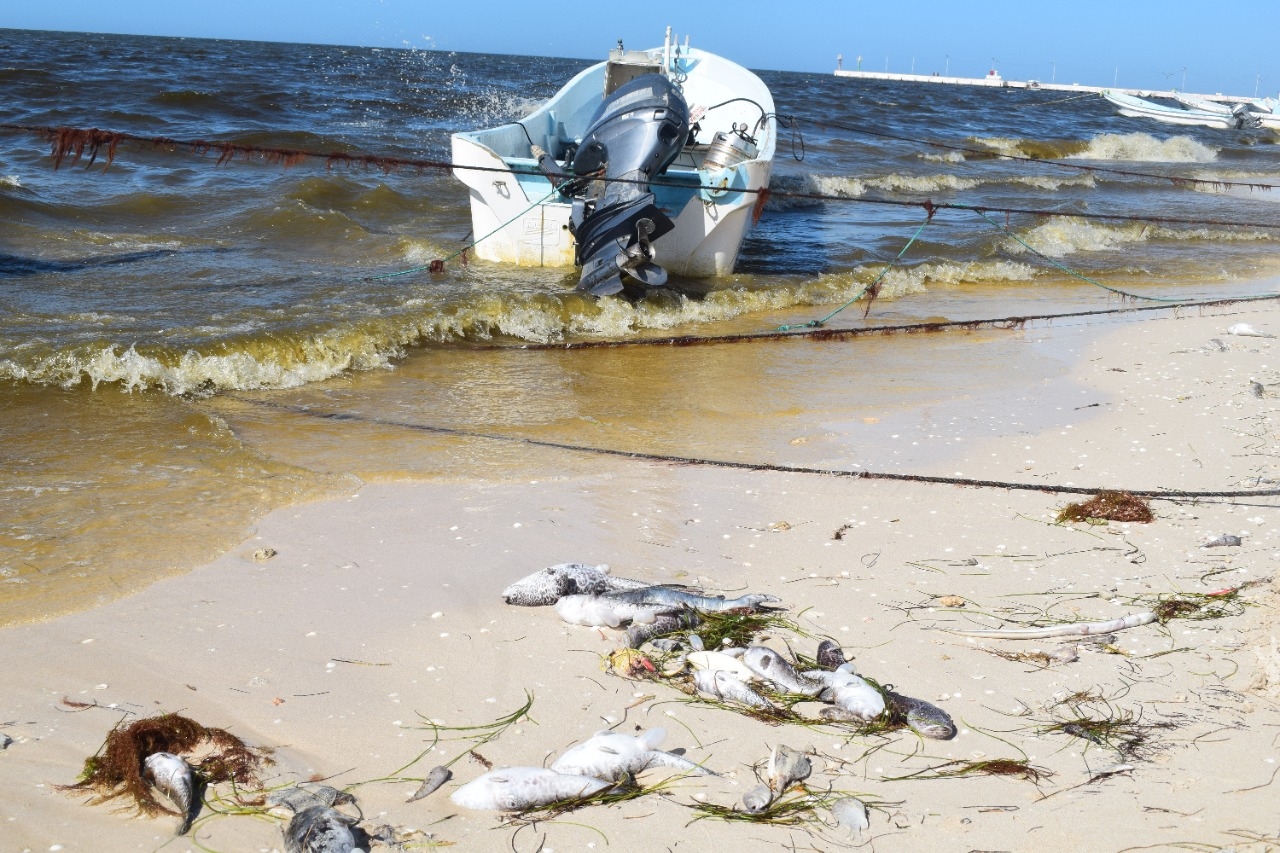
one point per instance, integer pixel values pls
(872, 289)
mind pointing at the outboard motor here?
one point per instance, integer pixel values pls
(1245, 118)
(634, 136)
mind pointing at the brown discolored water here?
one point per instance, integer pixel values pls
(176, 337)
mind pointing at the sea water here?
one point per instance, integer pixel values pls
(186, 345)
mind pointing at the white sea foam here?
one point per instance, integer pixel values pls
(1145, 148)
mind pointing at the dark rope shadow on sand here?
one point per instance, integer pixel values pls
(16, 266)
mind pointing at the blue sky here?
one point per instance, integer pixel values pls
(1132, 43)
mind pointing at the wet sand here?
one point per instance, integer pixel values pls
(380, 611)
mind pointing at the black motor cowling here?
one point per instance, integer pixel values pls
(633, 137)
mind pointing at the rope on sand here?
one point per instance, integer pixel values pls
(1150, 494)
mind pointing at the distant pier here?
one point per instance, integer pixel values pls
(995, 81)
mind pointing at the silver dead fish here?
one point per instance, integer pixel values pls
(320, 829)
(552, 583)
(437, 777)
(674, 598)
(924, 718)
(513, 789)
(599, 611)
(723, 685)
(614, 757)
(174, 778)
(767, 663)
(1226, 540)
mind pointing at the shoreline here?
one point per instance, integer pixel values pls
(381, 610)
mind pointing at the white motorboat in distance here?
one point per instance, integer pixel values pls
(1128, 105)
(649, 162)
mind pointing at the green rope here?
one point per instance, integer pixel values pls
(438, 264)
(813, 324)
(1072, 272)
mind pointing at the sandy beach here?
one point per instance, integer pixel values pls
(380, 612)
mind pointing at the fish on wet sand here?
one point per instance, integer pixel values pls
(549, 585)
(723, 685)
(174, 778)
(768, 664)
(924, 718)
(513, 789)
(614, 757)
(320, 829)
(437, 777)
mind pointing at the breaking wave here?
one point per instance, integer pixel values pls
(851, 187)
(260, 361)
(1124, 147)
(1064, 236)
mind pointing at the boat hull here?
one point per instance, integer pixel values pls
(519, 218)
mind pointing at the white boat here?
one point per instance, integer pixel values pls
(1128, 105)
(1204, 105)
(652, 161)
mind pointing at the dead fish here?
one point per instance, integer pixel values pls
(598, 611)
(1065, 653)
(613, 756)
(758, 799)
(174, 778)
(723, 685)
(1071, 629)
(767, 663)
(673, 598)
(1215, 345)
(1226, 540)
(302, 796)
(1257, 389)
(849, 691)
(851, 814)
(638, 635)
(550, 584)
(1076, 730)
(830, 655)
(437, 777)
(836, 714)
(924, 718)
(787, 767)
(320, 829)
(723, 662)
(5, 740)
(1247, 331)
(513, 789)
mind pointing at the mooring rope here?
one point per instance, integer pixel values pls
(1150, 494)
(71, 144)
(1125, 293)
(826, 334)
(872, 288)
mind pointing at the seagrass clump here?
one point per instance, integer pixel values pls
(116, 769)
(1108, 505)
